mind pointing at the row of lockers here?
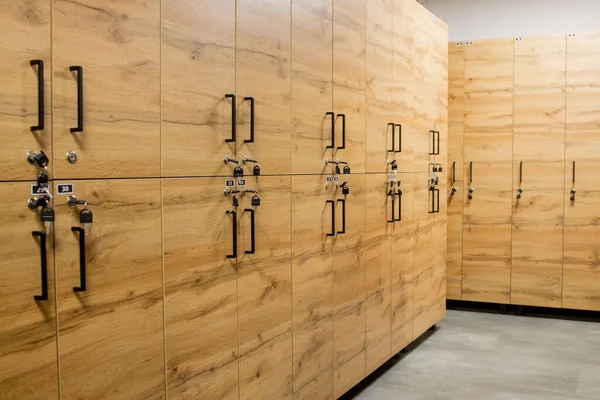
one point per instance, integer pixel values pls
(301, 296)
(523, 135)
(150, 89)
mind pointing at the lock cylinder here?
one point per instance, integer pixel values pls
(471, 190)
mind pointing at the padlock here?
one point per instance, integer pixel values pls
(337, 169)
(256, 170)
(234, 201)
(346, 170)
(238, 172)
(345, 189)
(255, 201)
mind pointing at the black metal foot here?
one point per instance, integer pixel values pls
(503, 309)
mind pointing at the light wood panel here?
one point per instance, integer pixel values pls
(491, 202)
(349, 56)
(24, 36)
(263, 72)
(28, 362)
(118, 45)
(379, 74)
(111, 335)
(456, 104)
(201, 299)
(378, 254)
(312, 85)
(349, 276)
(198, 41)
(455, 244)
(265, 293)
(437, 72)
(489, 100)
(312, 287)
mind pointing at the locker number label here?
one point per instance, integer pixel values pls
(329, 179)
(41, 189)
(230, 183)
(64, 188)
(241, 182)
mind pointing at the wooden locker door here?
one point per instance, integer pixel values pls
(263, 83)
(198, 71)
(349, 276)
(110, 312)
(312, 286)
(201, 299)
(312, 82)
(403, 248)
(349, 56)
(24, 38)
(581, 277)
(382, 140)
(265, 291)
(118, 48)
(28, 363)
(455, 243)
(488, 122)
(439, 75)
(487, 232)
(378, 255)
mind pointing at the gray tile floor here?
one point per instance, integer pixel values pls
(496, 357)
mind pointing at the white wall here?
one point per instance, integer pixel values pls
(488, 19)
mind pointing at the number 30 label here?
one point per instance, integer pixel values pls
(64, 188)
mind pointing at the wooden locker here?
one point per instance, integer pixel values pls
(349, 276)
(313, 232)
(28, 362)
(24, 114)
(380, 205)
(263, 84)
(265, 291)
(403, 247)
(198, 73)
(114, 131)
(455, 243)
(383, 138)
(312, 85)
(349, 56)
(110, 291)
(201, 292)
(488, 121)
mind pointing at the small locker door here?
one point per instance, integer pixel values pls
(25, 82)
(265, 290)
(198, 87)
(28, 363)
(201, 300)
(313, 232)
(106, 86)
(109, 290)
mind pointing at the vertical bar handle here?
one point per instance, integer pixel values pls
(437, 192)
(453, 172)
(432, 190)
(343, 201)
(437, 153)
(79, 70)
(521, 172)
(234, 233)
(233, 117)
(343, 146)
(82, 276)
(332, 218)
(573, 171)
(393, 208)
(393, 137)
(251, 100)
(432, 152)
(471, 172)
(399, 219)
(43, 265)
(252, 232)
(40, 77)
(399, 126)
(332, 114)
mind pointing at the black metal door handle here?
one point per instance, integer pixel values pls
(79, 71)
(432, 152)
(332, 114)
(437, 153)
(82, 277)
(437, 193)
(343, 231)
(453, 172)
(343, 146)
(573, 171)
(399, 207)
(399, 126)
(252, 232)
(43, 264)
(40, 77)
(234, 233)
(432, 210)
(332, 218)
(251, 100)
(393, 196)
(233, 117)
(393, 137)
(471, 172)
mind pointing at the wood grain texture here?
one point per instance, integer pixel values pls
(24, 36)
(312, 85)
(198, 40)
(349, 276)
(349, 55)
(117, 44)
(455, 243)
(491, 202)
(312, 288)
(201, 298)
(28, 361)
(263, 72)
(111, 335)
(489, 100)
(456, 105)
(265, 293)
(379, 75)
(438, 71)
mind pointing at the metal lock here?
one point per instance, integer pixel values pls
(256, 170)
(453, 191)
(234, 200)
(40, 158)
(35, 202)
(345, 188)
(238, 172)
(347, 170)
(72, 157)
(255, 201)
(337, 169)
